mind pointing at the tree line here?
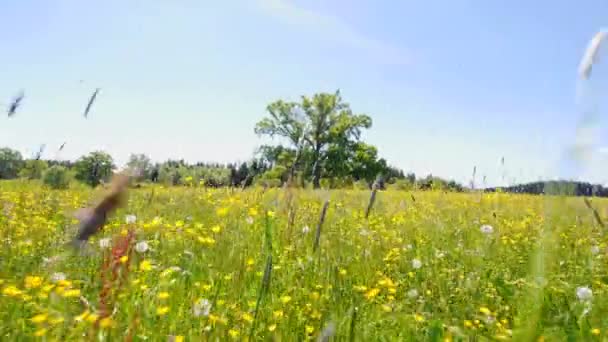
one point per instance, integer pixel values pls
(318, 143)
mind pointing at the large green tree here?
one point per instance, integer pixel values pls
(93, 168)
(313, 126)
(11, 162)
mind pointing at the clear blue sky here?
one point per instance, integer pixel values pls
(449, 84)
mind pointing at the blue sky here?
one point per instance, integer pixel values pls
(449, 84)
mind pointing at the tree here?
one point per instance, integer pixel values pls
(33, 169)
(142, 164)
(317, 124)
(57, 177)
(11, 162)
(94, 168)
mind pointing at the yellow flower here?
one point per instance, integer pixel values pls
(11, 291)
(310, 329)
(92, 318)
(39, 318)
(40, 332)
(271, 213)
(145, 265)
(222, 212)
(247, 317)
(250, 261)
(56, 320)
(82, 316)
(372, 293)
(163, 295)
(386, 308)
(419, 318)
(216, 229)
(343, 272)
(106, 322)
(595, 331)
(71, 293)
(32, 282)
(278, 314)
(272, 327)
(253, 212)
(162, 310)
(485, 311)
(124, 259)
(233, 333)
(285, 299)
(178, 338)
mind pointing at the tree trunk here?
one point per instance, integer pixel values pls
(316, 169)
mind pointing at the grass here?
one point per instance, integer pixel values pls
(229, 264)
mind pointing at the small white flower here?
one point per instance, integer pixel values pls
(584, 293)
(175, 268)
(486, 229)
(305, 230)
(57, 276)
(416, 263)
(104, 243)
(595, 249)
(409, 247)
(249, 220)
(130, 219)
(439, 254)
(202, 307)
(141, 247)
(413, 293)
(364, 232)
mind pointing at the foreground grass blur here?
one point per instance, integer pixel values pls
(424, 266)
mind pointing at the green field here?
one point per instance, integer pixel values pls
(227, 264)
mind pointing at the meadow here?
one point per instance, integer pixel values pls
(196, 264)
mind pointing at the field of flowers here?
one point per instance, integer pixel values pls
(192, 264)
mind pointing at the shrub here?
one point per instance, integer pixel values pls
(57, 177)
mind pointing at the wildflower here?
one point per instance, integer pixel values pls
(56, 320)
(32, 282)
(285, 299)
(249, 220)
(106, 323)
(278, 314)
(253, 212)
(145, 265)
(57, 277)
(372, 293)
(386, 308)
(247, 317)
(71, 293)
(163, 295)
(343, 272)
(485, 311)
(216, 229)
(595, 331)
(124, 259)
(141, 247)
(233, 333)
(104, 243)
(584, 293)
(272, 327)
(416, 263)
(595, 249)
(486, 229)
(310, 329)
(11, 291)
(305, 230)
(162, 310)
(419, 318)
(222, 212)
(202, 307)
(82, 316)
(413, 293)
(271, 213)
(468, 324)
(39, 318)
(130, 219)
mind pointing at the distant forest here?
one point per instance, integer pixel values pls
(562, 187)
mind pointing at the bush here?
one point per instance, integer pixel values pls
(57, 177)
(402, 184)
(33, 169)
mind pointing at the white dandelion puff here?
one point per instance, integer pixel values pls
(130, 219)
(58, 276)
(584, 293)
(413, 293)
(202, 308)
(416, 263)
(142, 247)
(486, 229)
(249, 220)
(595, 249)
(305, 230)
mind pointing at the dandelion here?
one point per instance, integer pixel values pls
(485, 311)
(162, 295)
(305, 229)
(104, 243)
(32, 282)
(162, 310)
(272, 327)
(310, 329)
(145, 266)
(216, 229)
(40, 318)
(40, 332)
(57, 277)
(584, 293)
(233, 333)
(202, 307)
(106, 322)
(71, 293)
(249, 220)
(130, 219)
(278, 314)
(285, 299)
(141, 247)
(419, 318)
(247, 317)
(486, 229)
(413, 293)
(124, 259)
(372, 293)
(595, 331)
(416, 263)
